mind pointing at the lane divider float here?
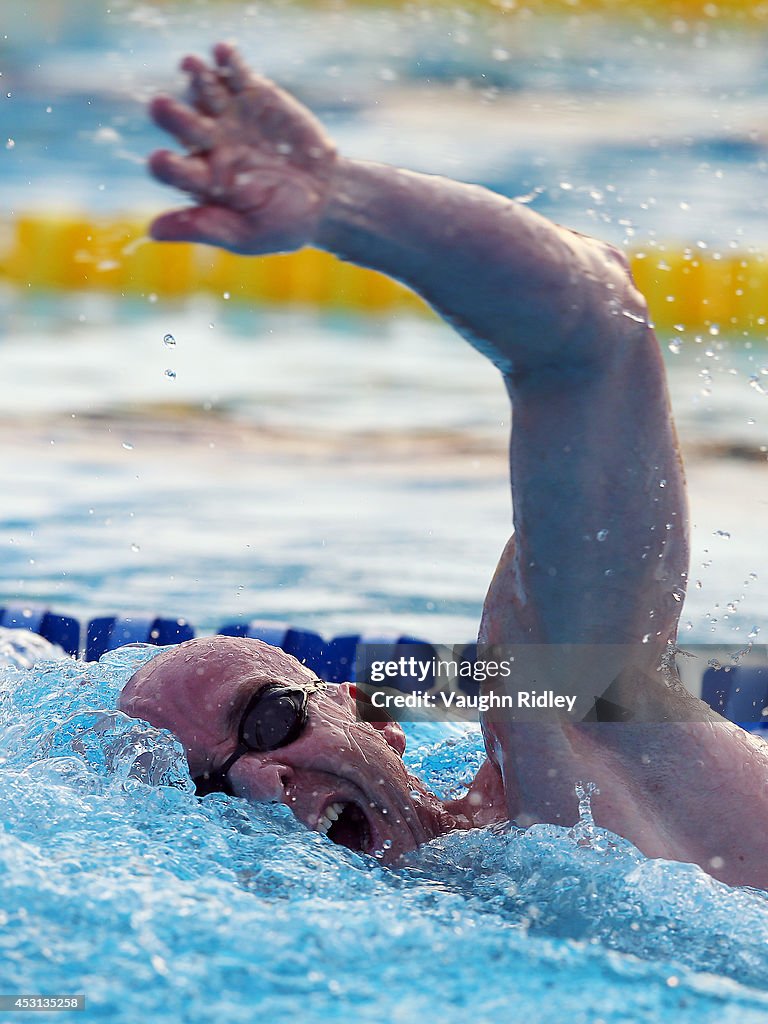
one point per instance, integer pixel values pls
(688, 289)
(737, 691)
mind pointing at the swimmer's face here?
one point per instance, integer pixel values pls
(339, 776)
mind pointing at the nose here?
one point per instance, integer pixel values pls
(256, 778)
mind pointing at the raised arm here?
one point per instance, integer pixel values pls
(600, 551)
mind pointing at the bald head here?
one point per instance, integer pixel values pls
(193, 688)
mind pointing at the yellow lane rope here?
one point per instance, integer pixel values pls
(687, 288)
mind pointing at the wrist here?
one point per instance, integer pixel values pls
(339, 202)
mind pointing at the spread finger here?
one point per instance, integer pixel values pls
(232, 66)
(193, 129)
(188, 173)
(206, 90)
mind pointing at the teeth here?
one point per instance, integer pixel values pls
(332, 812)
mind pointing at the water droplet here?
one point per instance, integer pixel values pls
(170, 374)
(169, 341)
(675, 347)
(662, 483)
(714, 329)
(10, 144)
(754, 632)
(633, 316)
(135, 547)
(387, 844)
(128, 446)
(722, 533)
(601, 535)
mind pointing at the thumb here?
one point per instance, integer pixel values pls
(211, 225)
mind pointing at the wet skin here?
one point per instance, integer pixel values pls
(340, 776)
(599, 553)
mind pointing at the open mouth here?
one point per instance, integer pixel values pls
(345, 824)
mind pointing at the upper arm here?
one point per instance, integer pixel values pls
(600, 551)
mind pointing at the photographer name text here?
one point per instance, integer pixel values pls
(448, 700)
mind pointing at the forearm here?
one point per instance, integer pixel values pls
(517, 286)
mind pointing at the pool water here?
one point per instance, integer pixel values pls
(346, 474)
(119, 883)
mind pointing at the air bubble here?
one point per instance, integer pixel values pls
(601, 535)
(169, 341)
(170, 374)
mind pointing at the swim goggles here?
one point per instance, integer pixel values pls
(275, 716)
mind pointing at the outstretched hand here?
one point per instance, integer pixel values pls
(258, 163)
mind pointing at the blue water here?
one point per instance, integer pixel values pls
(118, 883)
(345, 474)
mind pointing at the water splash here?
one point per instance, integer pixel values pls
(99, 817)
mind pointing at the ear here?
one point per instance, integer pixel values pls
(390, 730)
(393, 734)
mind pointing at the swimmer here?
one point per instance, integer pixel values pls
(599, 553)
